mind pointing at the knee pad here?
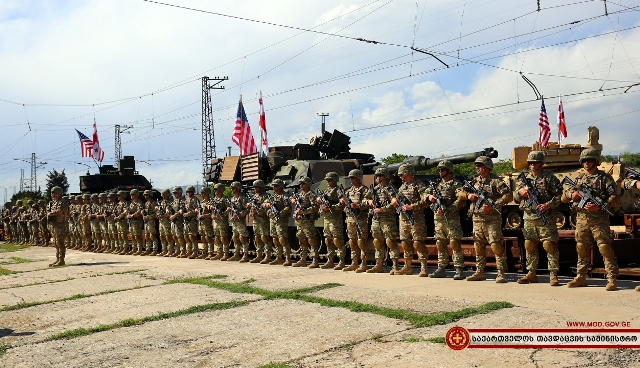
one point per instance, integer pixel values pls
(419, 246)
(244, 240)
(377, 244)
(265, 239)
(607, 251)
(313, 243)
(275, 242)
(235, 238)
(329, 243)
(530, 246)
(302, 242)
(479, 248)
(497, 248)
(391, 244)
(283, 241)
(362, 244)
(455, 245)
(441, 245)
(353, 243)
(338, 243)
(582, 250)
(550, 247)
(258, 240)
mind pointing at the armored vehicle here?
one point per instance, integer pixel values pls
(110, 178)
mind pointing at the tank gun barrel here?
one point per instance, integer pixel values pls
(423, 163)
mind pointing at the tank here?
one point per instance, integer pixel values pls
(110, 178)
(563, 161)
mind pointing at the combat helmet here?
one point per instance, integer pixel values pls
(102, 195)
(166, 193)
(331, 176)
(306, 180)
(56, 189)
(122, 193)
(30, 202)
(191, 189)
(19, 202)
(86, 196)
(486, 161)
(205, 190)
(258, 183)
(236, 184)
(355, 173)
(536, 156)
(177, 189)
(111, 195)
(446, 164)
(218, 186)
(590, 153)
(405, 169)
(41, 201)
(278, 182)
(147, 193)
(94, 196)
(383, 171)
(134, 192)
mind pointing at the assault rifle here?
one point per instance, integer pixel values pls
(402, 201)
(376, 201)
(215, 209)
(483, 197)
(272, 211)
(533, 201)
(349, 209)
(632, 174)
(439, 203)
(587, 195)
(253, 202)
(233, 210)
(323, 198)
(171, 212)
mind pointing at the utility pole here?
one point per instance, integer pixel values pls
(120, 129)
(208, 137)
(21, 180)
(323, 115)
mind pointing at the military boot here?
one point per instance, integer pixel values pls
(57, 258)
(314, 262)
(439, 273)
(278, 260)
(340, 264)
(459, 274)
(637, 288)
(217, 256)
(301, 263)
(394, 266)
(406, 269)
(266, 259)
(287, 258)
(478, 275)
(611, 284)
(153, 250)
(423, 268)
(245, 257)
(236, 255)
(258, 258)
(205, 253)
(530, 277)
(225, 256)
(354, 264)
(61, 259)
(553, 279)
(328, 264)
(192, 255)
(500, 278)
(363, 264)
(579, 281)
(378, 267)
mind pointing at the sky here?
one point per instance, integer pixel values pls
(66, 64)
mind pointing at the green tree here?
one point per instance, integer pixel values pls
(26, 195)
(628, 158)
(55, 178)
(394, 158)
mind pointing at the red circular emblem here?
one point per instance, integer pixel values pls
(457, 338)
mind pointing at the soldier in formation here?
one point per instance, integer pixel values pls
(384, 227)
(220, 223)
(149, 211)
(356, 206)
(205, 224)
(237, 211)
(278, 207)
(176, 212)
(547, 188)
(190, 211)
(331, 210)
(305, 213)
(6, 222)
(261, 234)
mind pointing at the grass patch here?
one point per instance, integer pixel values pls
(38, 283)
(4, 271)
(416, 319)
(20, 260)
(436, 340)
(11, 247)
(275, 365)
(123, 272)
(78, 332)
(4, 348)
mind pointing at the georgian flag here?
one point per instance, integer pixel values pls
(562, 125)
(96, 152)
(264, 145)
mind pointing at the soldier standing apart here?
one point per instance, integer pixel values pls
(384, 227)
(94, 221)
(448, 229)
(237, 212)
(177, 222)
(413, 236)
(592, 222)
(550, 192)
(58, 216)
(305, 215)
(487, 222)
(261, 236)
(220, 222)
(279, 209)
(150, 230)
(359, 196)
(121, 220)
(333, 223)
(205, 226)
(6, 221)
(629, 184)
(134, 215)
(112, 227)
(190, 214)
(166, 239)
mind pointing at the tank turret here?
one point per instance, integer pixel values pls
(420, 163)
(109, 178)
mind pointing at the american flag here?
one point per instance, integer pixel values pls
(97, 152)
(242, 133)
(543, 122)
(562, 124)
(264, 145)
(86, 145)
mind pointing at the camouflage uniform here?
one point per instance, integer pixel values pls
(22, 224)
(14, 223)
(102, 223)
(96, 231)
(240, 235)
(191, 208)
(487, 226)
(73, 223)
(135, 224)
(6, 221)
(205, 224)
(85, 210)
(630, 184)
(593, 228)
(112, 227)
(279, 228)
(384, 226)
(177, 225)
(33, 224)
(42, 223)
(150, 229)
(413, 237)
(220, 224)
(261, 235)
(306, 233)
(358, 242)
(333, 225)
(550, 191)
(448, 230)
(58, 219)
(121, 220)
(166, 239)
